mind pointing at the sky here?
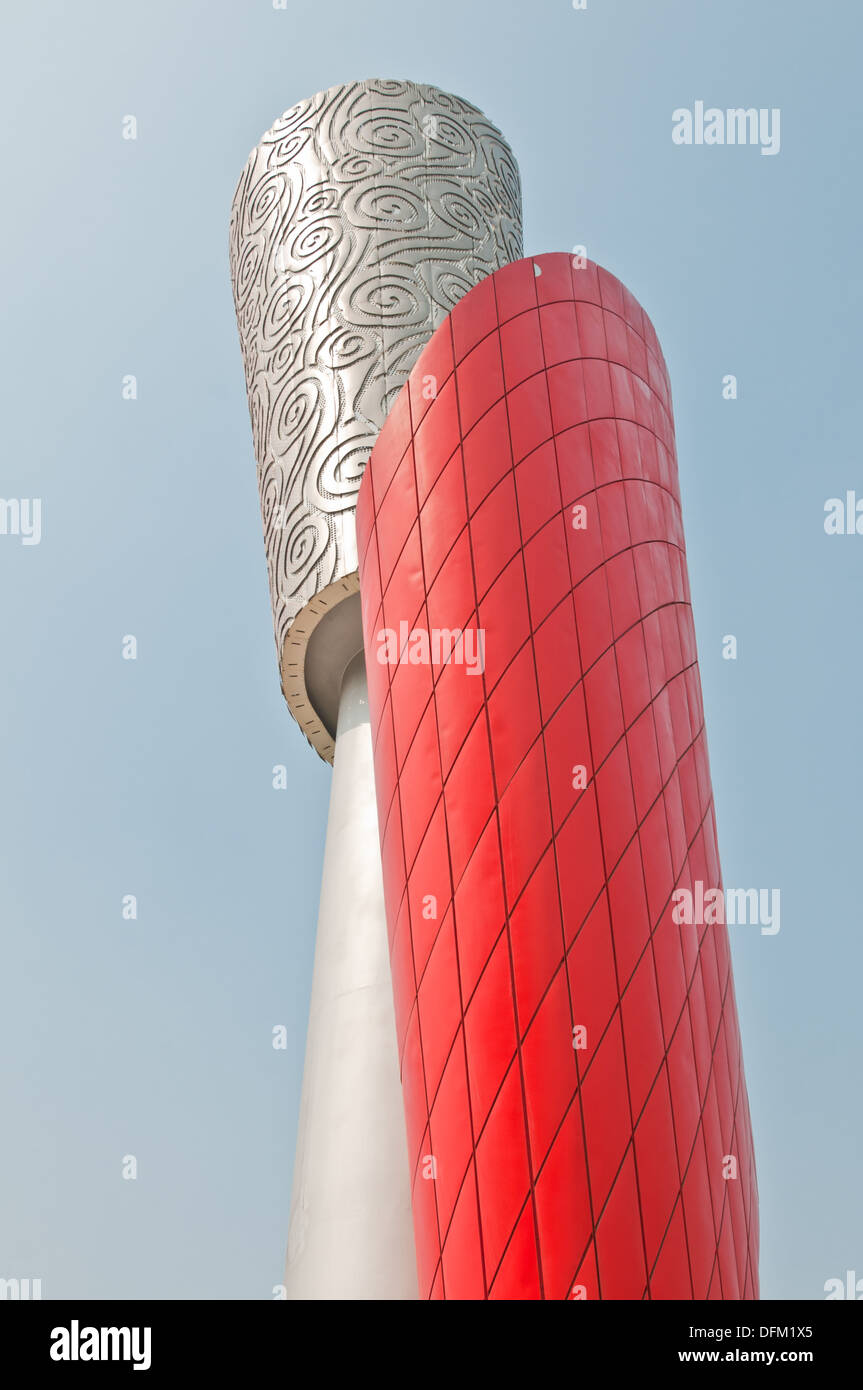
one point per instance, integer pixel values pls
(152, 1038)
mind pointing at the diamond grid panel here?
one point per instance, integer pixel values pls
(570, 1054)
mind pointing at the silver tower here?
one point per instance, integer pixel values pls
(360, 220)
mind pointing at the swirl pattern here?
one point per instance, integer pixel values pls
(360, 219)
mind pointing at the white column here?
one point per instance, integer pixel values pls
(351, 1234)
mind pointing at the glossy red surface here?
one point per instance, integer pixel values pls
(526, 900)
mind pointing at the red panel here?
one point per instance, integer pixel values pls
(570, 1054)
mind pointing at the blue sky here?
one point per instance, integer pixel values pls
(153, 777)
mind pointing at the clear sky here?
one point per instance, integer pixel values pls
(153, 777)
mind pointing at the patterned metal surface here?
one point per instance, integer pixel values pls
(360, 219)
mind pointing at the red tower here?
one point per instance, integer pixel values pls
(577, 1117)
